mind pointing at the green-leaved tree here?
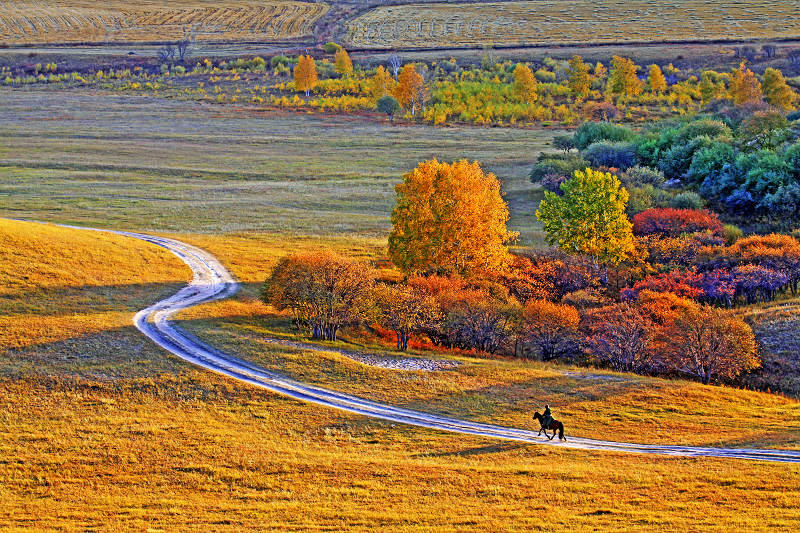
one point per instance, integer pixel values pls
(589, 218)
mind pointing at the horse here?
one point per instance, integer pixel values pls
(554, 424)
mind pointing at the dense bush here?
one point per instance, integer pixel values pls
(674, 222)
(557, 164)
(639, 176)
(591, 132)
(620, 155)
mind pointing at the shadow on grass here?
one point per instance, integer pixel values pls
(88, 299)
(481, 450)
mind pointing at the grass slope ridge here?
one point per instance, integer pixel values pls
(58, 283)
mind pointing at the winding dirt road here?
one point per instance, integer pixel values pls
(212, 281)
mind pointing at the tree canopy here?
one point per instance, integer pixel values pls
(450, 217)
(589, 217)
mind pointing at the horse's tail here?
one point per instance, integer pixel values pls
(561, 432)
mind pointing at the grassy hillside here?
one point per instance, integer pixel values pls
(60, 285)
(99, 433)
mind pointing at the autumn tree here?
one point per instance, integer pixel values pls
(776, 91)
(342, 63)
(305, 74)
(710, 343)
(449, 218)
(589, 217)
(380, 84)
(409, 84)
(579, 81)
(323, 291)
(551, 327)
(745, 87)
(525, 85)
(405, 310)
(623, 80)
(656, 80)
(486, 324)
(620, 336)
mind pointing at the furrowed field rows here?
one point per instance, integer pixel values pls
(57, 22)
(580, 21)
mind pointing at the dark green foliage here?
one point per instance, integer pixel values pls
(639, 176)
(389, 105)
(557, 164)
(591, 132)
(620, 155)
(687, 200)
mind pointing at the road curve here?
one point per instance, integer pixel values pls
(212, 281)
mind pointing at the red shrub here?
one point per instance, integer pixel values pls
(674, 222)
(685, 284)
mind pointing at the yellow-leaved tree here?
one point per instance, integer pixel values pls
(623, 80)
(380, 84)
(776, 91)
(656, 79)
(305, 74)
(745, 87)
(589, 218)
(342, 63)
(525, 86)
(580, 81)
(450, 218)
(409, 85)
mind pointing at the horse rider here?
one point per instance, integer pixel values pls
(547, 417)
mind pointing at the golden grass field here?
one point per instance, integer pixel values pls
(71, 21)
(163, 446)
(59, 283)
(574, 22)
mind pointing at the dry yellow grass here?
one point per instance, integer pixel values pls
(188, 450)
(579, 21)
(66, 21)
(201, 453)
(58, 283)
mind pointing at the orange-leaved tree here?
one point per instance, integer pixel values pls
(623, 80)
(409, 86)
(305, 74)
(450, 218)
(580, 81)
(656, 80)
(405, 310)
(776, 91)
(710, 343)
(525, 86)
(380, 84)
(551, 327)
(323, 291)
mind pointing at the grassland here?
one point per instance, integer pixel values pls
(570, 22)
(76, 21)
(100, 429)
(158, 445)
(205, 172)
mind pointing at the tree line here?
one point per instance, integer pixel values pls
(463, 289)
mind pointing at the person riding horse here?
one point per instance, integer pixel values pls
(547, 417)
